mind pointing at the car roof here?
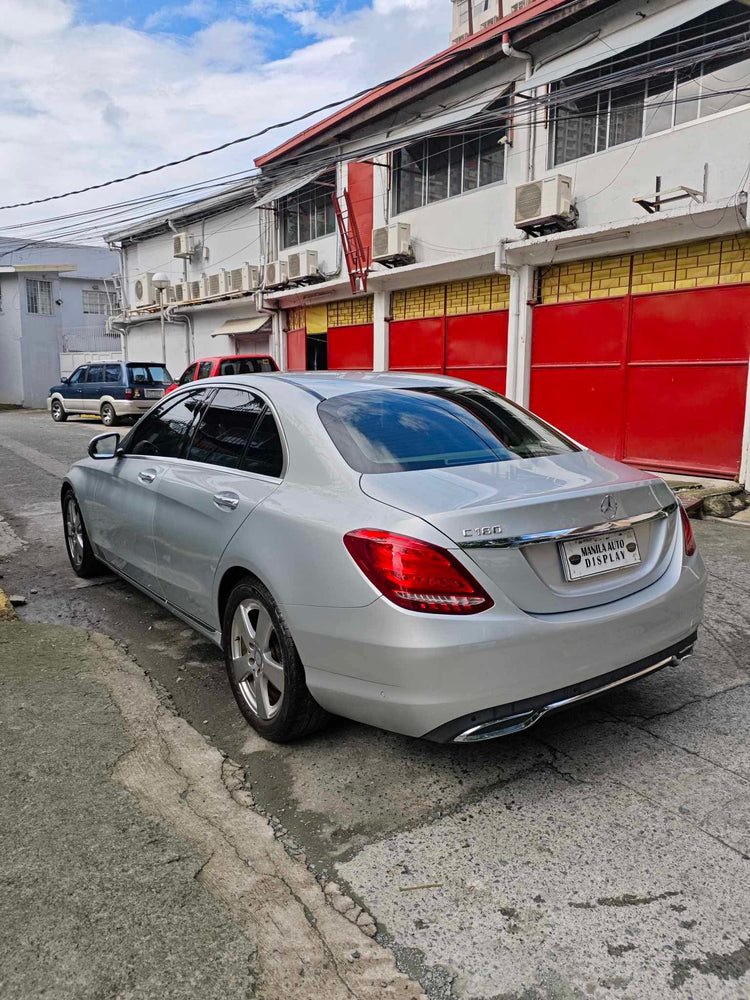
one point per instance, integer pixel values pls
(326, 384)
(228, 357)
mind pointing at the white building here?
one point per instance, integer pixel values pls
(54, 302)
(557, 209)
(210, 249)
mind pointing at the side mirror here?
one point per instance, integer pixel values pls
(105, 446)
(64, 380)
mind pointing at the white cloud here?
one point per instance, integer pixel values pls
(83, 103)
(22, 21)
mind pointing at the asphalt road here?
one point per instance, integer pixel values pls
(604, 853)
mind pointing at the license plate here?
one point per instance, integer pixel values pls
(594, 554)
(154, 393)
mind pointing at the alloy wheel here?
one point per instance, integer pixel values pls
(256, 657)
(107, 415)
(74, 531)
(56, 410)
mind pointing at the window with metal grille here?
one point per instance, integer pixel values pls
(687, 82)
(39, 297)
(449, 165)
(95, 302)
(308, 214)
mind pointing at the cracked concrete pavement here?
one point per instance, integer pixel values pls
(604, 853)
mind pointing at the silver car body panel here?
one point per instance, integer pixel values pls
(364, 657)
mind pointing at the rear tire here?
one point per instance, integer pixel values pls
(77, 544)
(57, 412)
(264, 669)
(108, 415)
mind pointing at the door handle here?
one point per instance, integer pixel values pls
(147, 476)
(226, 501)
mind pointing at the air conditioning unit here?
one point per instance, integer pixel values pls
(184, 245)
(144, 293)
(195, 289)
(216, 284)
(276, 274)
(245, 278)
(393, 241)
(302, 265)
(182, 291)
(545, 203)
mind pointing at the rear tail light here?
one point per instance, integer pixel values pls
(687, 531)
(128, 394)
(415, 574)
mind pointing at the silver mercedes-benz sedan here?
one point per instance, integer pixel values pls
(411, 551)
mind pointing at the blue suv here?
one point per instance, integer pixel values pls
(111, 389)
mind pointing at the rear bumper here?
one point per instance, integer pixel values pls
(132, 407)
(502, 720)
(422, 675)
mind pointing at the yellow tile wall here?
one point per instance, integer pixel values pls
(456, 298)
(694, 265)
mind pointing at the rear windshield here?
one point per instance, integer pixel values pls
(434, 428)
(246, 366)
(149, 375)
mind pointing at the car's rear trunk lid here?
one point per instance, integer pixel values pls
(491, 511)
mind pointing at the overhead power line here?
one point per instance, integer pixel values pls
(583, 84)
(414, 71)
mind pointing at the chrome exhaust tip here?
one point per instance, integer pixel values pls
(505, 725)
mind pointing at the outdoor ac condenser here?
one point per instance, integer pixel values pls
(543, 201)
(245, 278)
(144, 293)
(216, 284)
(276, 274)
(183, 245)
(302, 265)
(393, 241)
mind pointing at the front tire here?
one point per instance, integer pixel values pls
(108, 415)
(57, 412)
(77, 544)
(264, 669)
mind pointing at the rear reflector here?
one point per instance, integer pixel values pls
(687, 531)
(415, 574)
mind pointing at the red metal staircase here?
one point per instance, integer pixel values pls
(357, 260)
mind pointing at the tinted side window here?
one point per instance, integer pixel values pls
(78, 376)
(164, 433)
(96, 373)
(264, 454)
(229, 368)
(225, 429)
(204, 369)
(112, 373)
(187, 375)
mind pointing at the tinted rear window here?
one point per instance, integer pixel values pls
(149, 375)
(398, 430)
(246, 366)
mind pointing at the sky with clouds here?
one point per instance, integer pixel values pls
(93, 89)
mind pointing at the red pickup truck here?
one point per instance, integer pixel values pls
(231, 364)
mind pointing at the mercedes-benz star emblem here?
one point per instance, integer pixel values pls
(609, 506)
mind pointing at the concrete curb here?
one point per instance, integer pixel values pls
(726, 520)
(7, 611)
